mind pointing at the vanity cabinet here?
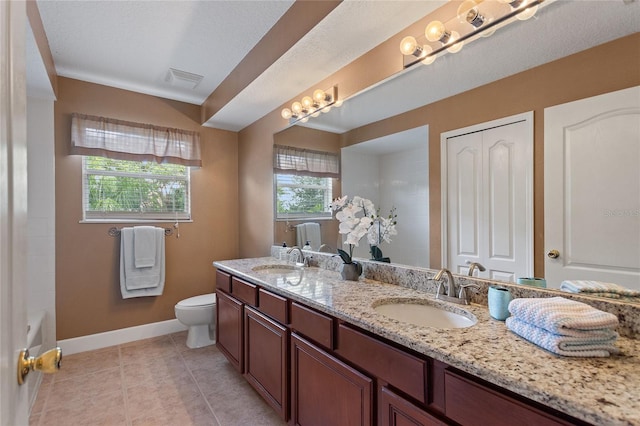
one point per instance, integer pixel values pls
(266, 345)
(325, 390)
(470, 402)
(393, 410)
(229, 328)
(315, 369)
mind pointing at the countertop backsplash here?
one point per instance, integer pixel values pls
(421, 279)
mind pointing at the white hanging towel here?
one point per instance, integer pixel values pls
(144, 246)
(145, 281)
(301, 235)
(313, 235)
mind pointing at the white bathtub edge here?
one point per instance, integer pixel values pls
(117, 337)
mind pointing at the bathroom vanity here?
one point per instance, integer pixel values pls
(318, 352)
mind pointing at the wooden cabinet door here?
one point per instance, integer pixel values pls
(394, 410)
(265, 359)
(229, 329)
(326, 391)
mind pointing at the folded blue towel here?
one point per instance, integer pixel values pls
(564, 317)
(565, 345)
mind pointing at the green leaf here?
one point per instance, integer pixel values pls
(376, 253)
(344, 256)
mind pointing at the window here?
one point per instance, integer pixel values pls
(133, 170)
(303, 181)
(121, 189)
(302, 196)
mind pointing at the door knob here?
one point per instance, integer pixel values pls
(48, 362)
(553, 254)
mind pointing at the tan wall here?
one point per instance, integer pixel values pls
(88, 296)
(599, 70)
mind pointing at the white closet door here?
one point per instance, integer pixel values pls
(592, 189)
(487, 206)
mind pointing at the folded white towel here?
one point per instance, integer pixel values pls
(562, 316)
(564, 345)
(301, 235)
(313, 235)
(598, 288)
(144, 246)
(138, 282)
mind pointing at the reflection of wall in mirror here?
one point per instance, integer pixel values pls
(394, 179)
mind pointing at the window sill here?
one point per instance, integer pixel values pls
(135, 221)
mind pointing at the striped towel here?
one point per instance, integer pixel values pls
(565, 345)
(564, 317)
(599, 288)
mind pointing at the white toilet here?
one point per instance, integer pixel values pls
(199, 314)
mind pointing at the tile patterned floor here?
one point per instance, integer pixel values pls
(153, 382)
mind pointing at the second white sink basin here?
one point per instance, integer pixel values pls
(425, 315)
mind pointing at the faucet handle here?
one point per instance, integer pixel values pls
(463, 291)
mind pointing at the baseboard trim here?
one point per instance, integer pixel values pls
(117, 337)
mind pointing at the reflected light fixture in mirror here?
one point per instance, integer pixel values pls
(312, 106)
(474, 19)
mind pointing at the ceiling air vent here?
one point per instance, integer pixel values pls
(183, 79)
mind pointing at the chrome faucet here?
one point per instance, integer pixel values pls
(299, 255)
(451, 284)
(452, 295)
(473, 266)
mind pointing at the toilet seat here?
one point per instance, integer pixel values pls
(204, 300)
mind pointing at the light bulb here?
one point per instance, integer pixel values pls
(429, 59)
(296, 107)
(319, 95)
(408, 45)
(307, 102)
(326, 109)
(286, 113)
(468, 12)
(456, 47)
(337, 103)
(316, 114)
(527, 13)
(436, 31)
(304, 120)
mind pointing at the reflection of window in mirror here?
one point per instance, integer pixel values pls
(302, 197)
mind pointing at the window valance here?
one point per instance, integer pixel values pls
(291, 160)
(124, 140)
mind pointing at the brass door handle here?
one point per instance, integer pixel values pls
(553, 254)
(48, 362)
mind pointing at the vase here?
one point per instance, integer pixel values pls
(351, 271)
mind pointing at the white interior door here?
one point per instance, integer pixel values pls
(592, 189)
(488, 198)
(13, 210)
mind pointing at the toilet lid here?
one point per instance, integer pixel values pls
(202, 300)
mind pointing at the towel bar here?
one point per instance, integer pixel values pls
(115, 232)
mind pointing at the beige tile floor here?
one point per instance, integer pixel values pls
(156, 381)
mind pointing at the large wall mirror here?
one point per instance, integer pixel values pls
(461, 98)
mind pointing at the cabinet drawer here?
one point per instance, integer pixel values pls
(223, 281)
(244, 291)
(312, 324)
(470, 403)
(273, 305)
(394, 410)
(401, 370)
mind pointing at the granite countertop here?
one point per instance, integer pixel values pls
(597, 390)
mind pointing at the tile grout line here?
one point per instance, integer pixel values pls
(197, 384)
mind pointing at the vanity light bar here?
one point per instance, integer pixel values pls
(312, 106)
(475, 19)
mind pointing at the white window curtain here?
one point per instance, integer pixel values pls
(124, 140)
(291, 160)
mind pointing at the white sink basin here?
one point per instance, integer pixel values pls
(276, 269)
(426, 315)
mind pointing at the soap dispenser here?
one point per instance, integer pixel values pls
(307, 246)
